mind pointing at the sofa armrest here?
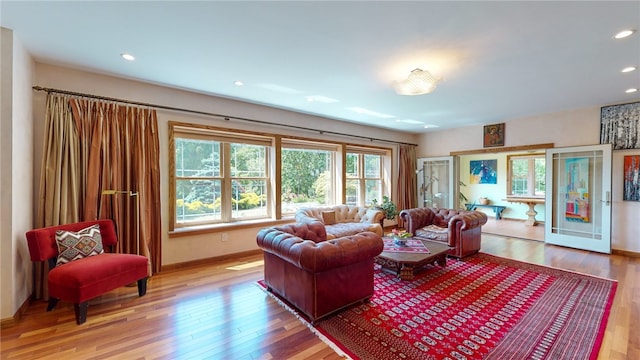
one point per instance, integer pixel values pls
(325, 255)
(373, 216)
(468, 219)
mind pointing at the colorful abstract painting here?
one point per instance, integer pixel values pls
(631, 180)
(577, 176)
(483, 171)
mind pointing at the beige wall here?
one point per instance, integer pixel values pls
(16, 148)
(563, 129)
(188, 248)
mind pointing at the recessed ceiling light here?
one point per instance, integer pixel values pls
(238, 83)
(128, 57)
(632, 90)
(624, 34)
(628, 69)
(428, 126)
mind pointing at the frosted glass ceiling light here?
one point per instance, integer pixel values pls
(418, 82)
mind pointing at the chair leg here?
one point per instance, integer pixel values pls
(81, 311)
(142, 286)
(52, 303)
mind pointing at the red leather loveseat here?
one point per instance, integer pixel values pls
(316, 275)
(81, 280)
(460, 229)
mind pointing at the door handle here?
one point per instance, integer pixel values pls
(607, 201)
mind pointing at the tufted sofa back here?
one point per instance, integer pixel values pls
(317, 256)
(344, 214)
(313, 231)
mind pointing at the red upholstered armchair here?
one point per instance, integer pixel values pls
(80, 280)
(460, 229)
(316, 275)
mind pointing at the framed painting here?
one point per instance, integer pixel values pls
(483, 171)
(631, 178)
(494, 135)
(619, 126)
(577, 197)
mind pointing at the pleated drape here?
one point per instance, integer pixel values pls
(92, 146)
(407, 182)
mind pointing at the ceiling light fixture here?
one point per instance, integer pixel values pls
(632, 90)
(418, 82)
(628, 69)
(623, 34)
(238, 83)
(128, 57)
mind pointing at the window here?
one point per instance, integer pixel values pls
(308, 175)
(219, 178)
(224, 176)
(364, 178)
(526, 175)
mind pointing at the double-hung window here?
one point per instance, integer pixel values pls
(364, 170)
(526, 175)
(308, 174)
(219, 177)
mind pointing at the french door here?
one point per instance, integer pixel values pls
(436, 182)
(578, 197)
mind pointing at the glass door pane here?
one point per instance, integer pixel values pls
(435, 182)
(578, 203)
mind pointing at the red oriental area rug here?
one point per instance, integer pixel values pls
(481, 307)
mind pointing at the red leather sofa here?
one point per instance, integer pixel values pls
(81, 280)
(316, 275)
(460, 229)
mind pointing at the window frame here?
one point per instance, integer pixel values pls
(225, 138)
(361, 176)
(531, 178)
(275, 143)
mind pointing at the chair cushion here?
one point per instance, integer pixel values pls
(433, 232)
(78, 245)
(87, 278)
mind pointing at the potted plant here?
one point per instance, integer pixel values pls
(389, 208)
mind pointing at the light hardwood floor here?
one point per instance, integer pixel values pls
(514, 228)
(216, 312)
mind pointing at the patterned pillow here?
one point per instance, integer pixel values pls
(77, 245)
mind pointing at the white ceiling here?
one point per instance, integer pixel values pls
(498, 60)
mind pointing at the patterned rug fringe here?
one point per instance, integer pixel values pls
(321, 336)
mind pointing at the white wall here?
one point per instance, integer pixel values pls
(179, 249)
(563, 129)
(16, 197)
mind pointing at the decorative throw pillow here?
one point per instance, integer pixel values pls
(77, 245)
(329, 217)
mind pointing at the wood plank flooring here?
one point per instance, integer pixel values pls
(514, 228)
(216, 312)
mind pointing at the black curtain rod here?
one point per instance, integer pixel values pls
(225, 117)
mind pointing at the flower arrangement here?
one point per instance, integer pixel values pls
(402, 234)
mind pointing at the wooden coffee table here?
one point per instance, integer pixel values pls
(406, 265)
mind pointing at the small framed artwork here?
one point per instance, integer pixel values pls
(494, 135)
(631, 178)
